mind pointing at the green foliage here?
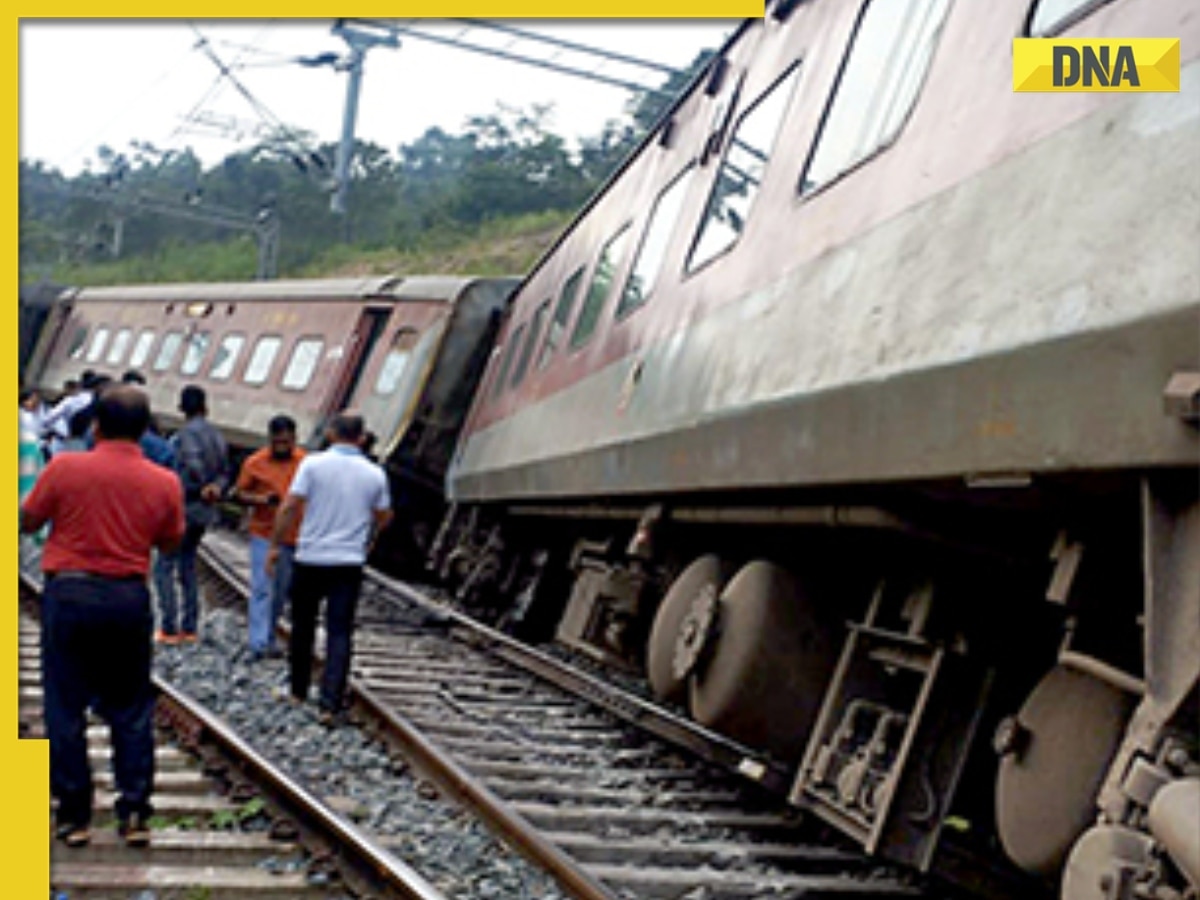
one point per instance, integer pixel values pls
(183, 823)
(505, 246)
(251, 808)
(489, 200)
(232, 260)
(232, 819)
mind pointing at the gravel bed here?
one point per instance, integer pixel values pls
(451, 849)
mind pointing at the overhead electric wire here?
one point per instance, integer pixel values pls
(218, 82)
(274, 59)
(227, 72)
(563, 44)
(293, 142)
(461, 41)
(197, 107)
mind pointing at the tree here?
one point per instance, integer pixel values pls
(140, 215)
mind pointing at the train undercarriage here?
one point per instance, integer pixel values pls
(997, 684)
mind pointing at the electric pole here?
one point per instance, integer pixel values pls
(359, 41)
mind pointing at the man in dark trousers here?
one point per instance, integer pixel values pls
(342, 502)
(107, 509)
(202, 461)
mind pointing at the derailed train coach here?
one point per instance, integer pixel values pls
(858, 411)
(406, 352)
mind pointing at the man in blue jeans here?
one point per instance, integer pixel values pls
(342, 502)
(107, 509)
(262, 484)
(203, 466)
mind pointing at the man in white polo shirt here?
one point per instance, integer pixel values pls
(341, 499)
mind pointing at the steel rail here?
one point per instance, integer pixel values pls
(358, 849)
(394, 873)
(706, 744)
(468, 790)
(454, 780)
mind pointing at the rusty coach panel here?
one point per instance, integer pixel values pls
(951, 307)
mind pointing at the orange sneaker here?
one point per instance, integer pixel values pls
(169, 638)
(188, 637)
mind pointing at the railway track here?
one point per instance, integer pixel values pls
(198, 844)
(616, 798)
(226, 823)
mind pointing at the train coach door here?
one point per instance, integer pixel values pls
(358, 346)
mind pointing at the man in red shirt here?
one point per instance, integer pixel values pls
(106, 509)
(262, 484)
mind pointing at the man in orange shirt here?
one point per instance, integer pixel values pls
(262, 484)
(106, 509)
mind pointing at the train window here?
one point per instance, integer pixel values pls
(653, 249)
(305, 356)
(226, 356)
(141, 349)
(506, 364)
(167, 350)
(562, 315)
(741, 172)
(261, 359)
(1052, 16)
(535, 331)
(193, 354)
(600, 286)
(99, 341)
(119, 345)
(889, 55)
(397, 360)
(78, 340)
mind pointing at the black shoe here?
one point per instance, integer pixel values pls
(285, 694)
(328, 718)
(73, 834)
(134, 830)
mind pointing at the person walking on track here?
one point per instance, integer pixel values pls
(107, 509)
(342, 502)
(262, 484)
(203, 466)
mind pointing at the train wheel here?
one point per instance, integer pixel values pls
(769, 664)
(705, 574)
(1054, 756)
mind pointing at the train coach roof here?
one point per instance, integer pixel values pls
(449, 287)
(391, 287)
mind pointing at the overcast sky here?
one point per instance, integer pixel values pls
(84, 84)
